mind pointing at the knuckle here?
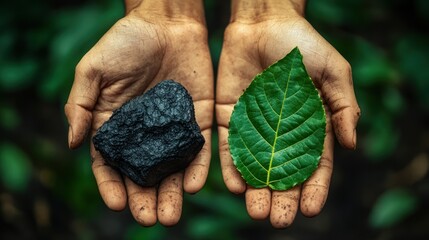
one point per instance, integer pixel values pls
(224, 146)
(87, 68)
(346, 66)
(81, 67)
(348, 71)
(205, 151)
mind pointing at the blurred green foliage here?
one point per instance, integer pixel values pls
(15, 168)
(9, 118)
(48, 191)
(392, 207)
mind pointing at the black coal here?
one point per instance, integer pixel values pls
(151, 136)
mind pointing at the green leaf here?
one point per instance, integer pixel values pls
(392, 207)
(371, 65)
(412, 58)
(277, 128)
(382, 138)
(15, 75)
(15, 167)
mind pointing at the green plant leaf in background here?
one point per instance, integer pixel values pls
(277, 128)
(17, 74)
(392, 207)
(15, 167)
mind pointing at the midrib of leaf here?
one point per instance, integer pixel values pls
(278, 124)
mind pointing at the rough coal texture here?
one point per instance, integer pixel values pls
(151, 136)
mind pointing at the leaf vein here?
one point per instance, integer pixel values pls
(297, 142)
(253, 156)
(257, 130)
(269, 102)
(264, 116)
(278, 122)
(299, 125)
(289, 176)
(297, 110)
(251, 173)
(289, 161)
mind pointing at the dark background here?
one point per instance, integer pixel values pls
(380, 191)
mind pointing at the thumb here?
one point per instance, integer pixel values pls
(337, 90)
(79, 106)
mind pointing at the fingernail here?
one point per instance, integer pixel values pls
(70, 136)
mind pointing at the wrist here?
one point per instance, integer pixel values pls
(170, 10)
(253, 11)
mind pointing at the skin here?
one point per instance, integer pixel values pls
(156, 40)
(161, 39)
(260, 33)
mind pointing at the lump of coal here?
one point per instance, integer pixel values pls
(151, 136)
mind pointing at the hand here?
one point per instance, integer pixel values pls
(139, 51)
(252, 42)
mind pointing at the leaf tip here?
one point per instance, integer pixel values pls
(296, 51)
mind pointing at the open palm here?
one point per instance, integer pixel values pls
(247, 50)
(129, 59)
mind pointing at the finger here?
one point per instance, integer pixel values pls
(337, 90)
(79, 106)
(258, 202)
(142, 202)
(315, 189)
(170, 199)
(232, 178)
(197, 171)
(109, 182)
(284, 207)
(235, 72)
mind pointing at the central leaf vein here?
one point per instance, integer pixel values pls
(277, 128)
(278, 123)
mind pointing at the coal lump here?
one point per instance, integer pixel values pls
(151, 136)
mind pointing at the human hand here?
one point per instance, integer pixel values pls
(157, 40)
(260, 33)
